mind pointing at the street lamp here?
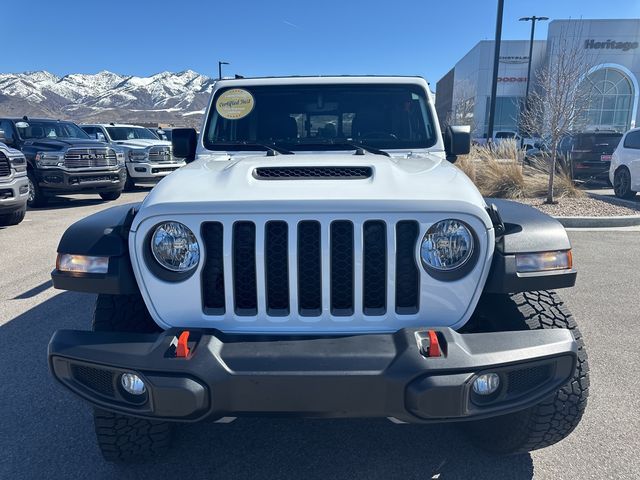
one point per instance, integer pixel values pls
(494, 78)
(533, 21)
(220, 69)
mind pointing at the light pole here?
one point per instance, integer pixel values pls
(494, 80)
(533, 21)
(220, 69)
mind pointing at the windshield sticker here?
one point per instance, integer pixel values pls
(235, 104)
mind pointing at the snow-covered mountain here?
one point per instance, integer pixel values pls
(175, 98)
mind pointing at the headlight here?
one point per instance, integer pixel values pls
(175, 247)
(48, 159)
(19, 164)
(120, 157)
(447, 246)
(137, 155)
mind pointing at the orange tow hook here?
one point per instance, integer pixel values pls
(182, 349)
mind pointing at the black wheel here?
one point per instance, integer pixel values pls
(622, 183)
(111, 195)
(129, 184)
(123, 438)
(36, 198)
(12, 218)
(554, 418)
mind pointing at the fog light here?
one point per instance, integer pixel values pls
(132, 384)
(486, 384)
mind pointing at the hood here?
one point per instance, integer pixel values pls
(142, 143)
(223, 183)
(8, 151)
(63, 143)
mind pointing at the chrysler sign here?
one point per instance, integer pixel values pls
(591, 44)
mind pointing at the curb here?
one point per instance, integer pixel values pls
(599, 222)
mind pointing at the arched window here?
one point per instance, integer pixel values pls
(611, 99)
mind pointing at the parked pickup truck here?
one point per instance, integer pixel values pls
(63, 160)
(321, 256)
(14, 188)
(148, 158)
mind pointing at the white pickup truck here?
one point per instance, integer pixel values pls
(148, 158)
(320, 255)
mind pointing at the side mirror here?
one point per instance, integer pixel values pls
(184, 142)
(457, 141)
(3, 139)
(100, 137)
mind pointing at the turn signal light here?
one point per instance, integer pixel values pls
(544, 261)
(67, 262)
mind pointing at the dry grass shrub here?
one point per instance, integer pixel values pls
(500, 172)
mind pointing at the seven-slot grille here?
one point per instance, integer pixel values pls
(277, 268)
(5, 166)
(90, 158)
(160, 154)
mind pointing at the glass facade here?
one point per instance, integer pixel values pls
(611, 99)
(507, 113)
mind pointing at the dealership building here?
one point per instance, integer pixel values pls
(612, 51)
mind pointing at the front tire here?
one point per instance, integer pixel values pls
(123, 438)
(13, 218)
(108, 196)
(36, 198)
(622, 183)
(555, 417)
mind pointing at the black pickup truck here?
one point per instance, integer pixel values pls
(63, 160)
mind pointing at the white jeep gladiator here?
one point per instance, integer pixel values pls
(321, 256)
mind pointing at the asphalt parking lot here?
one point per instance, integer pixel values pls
(47, 433)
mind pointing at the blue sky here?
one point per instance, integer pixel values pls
(277, 37)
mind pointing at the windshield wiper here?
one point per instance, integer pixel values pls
(271, 148)
(361, 146)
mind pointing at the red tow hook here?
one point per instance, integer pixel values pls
(429, 345)
(182, 349)
(434, 346)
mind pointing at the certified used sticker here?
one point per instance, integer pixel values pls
(234, 104)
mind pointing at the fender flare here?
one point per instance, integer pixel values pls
(526, 230)
(103, 234)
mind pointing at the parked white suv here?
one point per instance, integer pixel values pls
(624, 172)
(148, 158)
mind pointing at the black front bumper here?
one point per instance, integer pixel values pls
(377, 375)
(61, 181)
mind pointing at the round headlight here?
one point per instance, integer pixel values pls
(447, 245)
(175, 247)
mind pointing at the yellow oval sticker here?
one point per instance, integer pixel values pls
(234, 104)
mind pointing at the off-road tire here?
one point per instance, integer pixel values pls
(108, 196)
(622, 184)
(13, 218)
(123, 438)
(36, 197)
(555, 417)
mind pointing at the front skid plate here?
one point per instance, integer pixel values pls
(377, 375)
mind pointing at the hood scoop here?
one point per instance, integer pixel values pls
(312, 173)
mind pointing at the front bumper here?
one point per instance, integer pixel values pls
(14, 193)
(152, 171)
(65, 181)
(377, 375)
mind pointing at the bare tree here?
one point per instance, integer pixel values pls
(560, 99)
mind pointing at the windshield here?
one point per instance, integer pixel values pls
(589, 142)
(43, 129)
(130, 133)
(320, 117)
